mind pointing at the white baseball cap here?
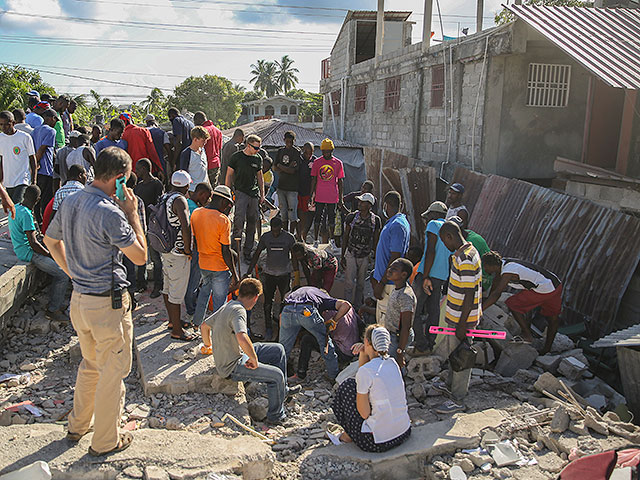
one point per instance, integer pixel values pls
(180, 178)
(367, 197)
(149, 117)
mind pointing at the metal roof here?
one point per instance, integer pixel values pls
(591, 248)
(605, 41)
(629, 337)
(389, 15)
(272, 133)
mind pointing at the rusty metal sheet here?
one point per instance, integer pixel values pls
(593, 249)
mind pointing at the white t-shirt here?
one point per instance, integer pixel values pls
(198, 169)
(24, 127)
(76, 157)
(382, 380)
(15, 151)
(530, 277)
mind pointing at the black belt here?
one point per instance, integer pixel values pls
(308, 304)
(103, 294)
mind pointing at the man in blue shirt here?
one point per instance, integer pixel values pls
(28, 248)
(393, 244)
(113, 138)
(432, 275)
(44, 141)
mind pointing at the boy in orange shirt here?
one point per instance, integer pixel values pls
(212, 233)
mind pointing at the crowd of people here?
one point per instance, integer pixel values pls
(110, 203)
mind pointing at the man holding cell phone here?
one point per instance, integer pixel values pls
(90, 252)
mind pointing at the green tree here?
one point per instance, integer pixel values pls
(313, 102)
(15, 82)
(156, 105)
(251, 96)
(286, 73)
(265, 78)
(216, 96)
(505, 16)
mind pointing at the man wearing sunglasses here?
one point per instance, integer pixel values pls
(244, 175)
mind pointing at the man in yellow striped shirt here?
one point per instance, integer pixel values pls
(464, 308)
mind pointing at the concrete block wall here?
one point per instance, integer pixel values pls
(617, 198)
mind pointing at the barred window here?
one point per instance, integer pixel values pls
(548, 85)
(361, 98)
(392, 94)
(335, 101)
(437, 86)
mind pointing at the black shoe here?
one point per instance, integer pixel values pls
(293, 390)
(156, 293)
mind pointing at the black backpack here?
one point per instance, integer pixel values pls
(162, 236)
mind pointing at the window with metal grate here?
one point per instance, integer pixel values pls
(361, 98)
(548, 85)
(392, 94)
(437, 86)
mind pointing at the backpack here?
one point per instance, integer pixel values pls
(162, 236)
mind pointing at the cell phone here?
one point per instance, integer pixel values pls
(120, 187)
(116, 298)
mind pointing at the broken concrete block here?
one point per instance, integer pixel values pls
(424, 368)
(485, 354)
(28, 367)
(560, 421)
(597, 401)
(549, 363)
(456, 473)
(39, 325)
(258, 409)
(226, 386)
(611, 417)
(514, 357)
(466, 465)
(479, 459)
(561, 343)
(152, 472)
(551, 462)
(578, 427)
(551, 384)
(592, 422)
(174, 423)
(572, 368)
(5, 418)
(418, 391)
(526, 377)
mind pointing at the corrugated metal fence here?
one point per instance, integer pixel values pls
(593, 249)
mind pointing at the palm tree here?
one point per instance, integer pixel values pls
(286, 74)
(81, 100)
(102, 105)
(155, 101)
(265, 77)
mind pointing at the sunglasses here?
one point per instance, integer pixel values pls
(254, 147)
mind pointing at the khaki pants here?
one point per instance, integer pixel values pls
(105, 338)
(381, 305)
(458, 382)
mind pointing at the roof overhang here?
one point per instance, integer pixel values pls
(605, 41)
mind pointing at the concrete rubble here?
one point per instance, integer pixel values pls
(525, 414)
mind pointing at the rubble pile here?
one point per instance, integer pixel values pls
(554, 408)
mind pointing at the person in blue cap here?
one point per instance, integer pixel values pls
(455, 206)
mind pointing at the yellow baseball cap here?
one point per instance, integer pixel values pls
(327, 144)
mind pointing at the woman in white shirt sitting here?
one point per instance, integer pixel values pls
(372, 409)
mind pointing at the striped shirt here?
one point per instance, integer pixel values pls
(466, 273)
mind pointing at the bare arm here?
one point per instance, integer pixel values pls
(229, 180)
(33, 168)
(228, 259)
(181, 208)
(254, 259)
(56, 249)
(430, 256)
(87, 154)
(341, 192)
(247, 347)
(260, 184)
(41, 151)
(464, 215)
(314, 182)
(467, 306)
(406, 319)
(36, 246)
(205, 329)
(378, 287)
(343, 308)
(345, 241)
(499, 285)
(363, 405)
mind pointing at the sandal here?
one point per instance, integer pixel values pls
(75, 437)
(185, 325)
(186, 337)
(124, 442)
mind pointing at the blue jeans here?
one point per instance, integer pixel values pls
(216, 285)
(191, 297)
(395, 339)
(59, 280)
(293, 319)
(272, 368)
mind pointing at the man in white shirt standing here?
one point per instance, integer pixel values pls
(17, 157)
(19, 119)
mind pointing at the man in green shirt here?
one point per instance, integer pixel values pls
(60, 106)
(244, 175)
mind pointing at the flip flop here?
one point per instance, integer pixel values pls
(186, 337)
(124, 442)
(184, 325)
(519, 339)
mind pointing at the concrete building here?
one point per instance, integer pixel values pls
(556, 82)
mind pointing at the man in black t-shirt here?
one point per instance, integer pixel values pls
(361, 232)
(149, 189)
(304, 191)
(286, 165)
(244, 175)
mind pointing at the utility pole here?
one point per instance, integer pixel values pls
(379, 30)
(426, 25)
(479, 14)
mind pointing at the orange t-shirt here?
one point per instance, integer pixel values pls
(211, 229)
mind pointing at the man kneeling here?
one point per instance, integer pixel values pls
(266, 363)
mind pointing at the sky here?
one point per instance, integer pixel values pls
(158, 43)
